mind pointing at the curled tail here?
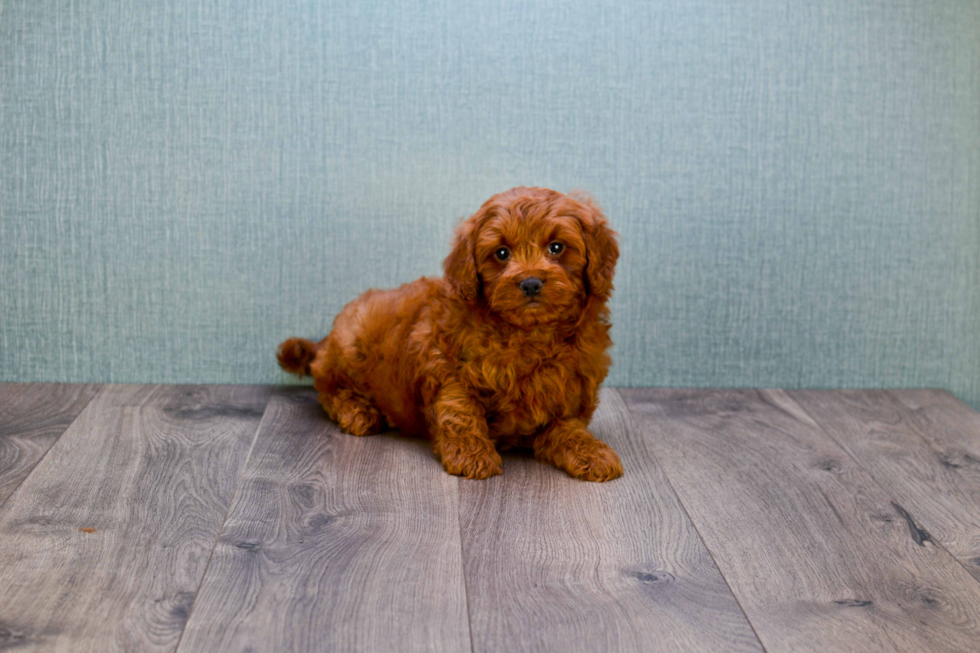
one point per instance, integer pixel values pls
(296, 354)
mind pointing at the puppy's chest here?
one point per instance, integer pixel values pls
(522, 392)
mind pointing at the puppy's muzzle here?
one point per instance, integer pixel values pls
(531, 287)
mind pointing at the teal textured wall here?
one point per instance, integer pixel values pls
(797, 184)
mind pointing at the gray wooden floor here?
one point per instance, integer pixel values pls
(238, 518)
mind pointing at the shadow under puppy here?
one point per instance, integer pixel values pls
(508, 349)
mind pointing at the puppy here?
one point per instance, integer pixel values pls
(507, 349)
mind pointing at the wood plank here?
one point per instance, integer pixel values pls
(818, 555)
(563, 565)
(104, 545)
(922, 446)
(32, 417)
(334, 542)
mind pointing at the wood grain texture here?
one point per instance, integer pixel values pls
(555, 564)
(32, 417)
(104, 545)
(334, 543)
(818, 555)
(922, 446)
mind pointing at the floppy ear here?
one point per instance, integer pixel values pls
(601, 249)
(460, 265)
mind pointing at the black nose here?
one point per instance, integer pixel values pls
(531, 287)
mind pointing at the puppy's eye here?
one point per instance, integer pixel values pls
(556, 248)
(502, 254)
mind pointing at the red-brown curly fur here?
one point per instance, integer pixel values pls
(469, 360)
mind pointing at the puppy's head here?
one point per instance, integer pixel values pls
(534, 256)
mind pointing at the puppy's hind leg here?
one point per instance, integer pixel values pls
(353, 410)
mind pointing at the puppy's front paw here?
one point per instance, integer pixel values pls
(473, 457)
(591, 460)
